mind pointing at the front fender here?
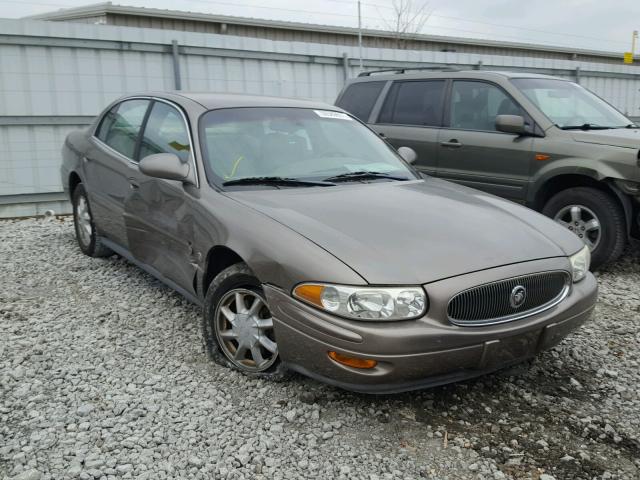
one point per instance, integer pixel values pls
(598, 171)
(277, 255)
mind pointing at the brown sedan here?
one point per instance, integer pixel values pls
(313, 246)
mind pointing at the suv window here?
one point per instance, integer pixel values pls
(414, 103)
(165, 132)
(359, 98)
(475, 105)
(121, 125)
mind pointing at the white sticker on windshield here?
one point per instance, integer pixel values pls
(330, 114)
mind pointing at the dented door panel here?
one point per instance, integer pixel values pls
(159, 221)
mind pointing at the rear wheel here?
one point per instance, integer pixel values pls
(596, 217)
(238, 327)
(86, 234)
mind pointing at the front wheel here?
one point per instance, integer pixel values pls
(238, 327)
(596, 217)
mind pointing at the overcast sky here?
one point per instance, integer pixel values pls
(590, 24)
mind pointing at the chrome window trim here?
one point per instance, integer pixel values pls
(158, 99)
(516, 316)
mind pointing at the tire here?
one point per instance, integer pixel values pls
(218, 331)
(86, 233)
(607, 212)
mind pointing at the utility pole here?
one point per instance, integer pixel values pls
(628, 56)
(360, 35)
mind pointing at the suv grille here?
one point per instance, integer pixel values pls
(508, 300)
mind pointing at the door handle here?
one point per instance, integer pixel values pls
(382, 135)
(453, 143)
(134, 184)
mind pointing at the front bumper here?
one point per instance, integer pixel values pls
(425, 352)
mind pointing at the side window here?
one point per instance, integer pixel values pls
(121, 125)
(475, 105)
(165, 132)
(359, 99)
(414, 103)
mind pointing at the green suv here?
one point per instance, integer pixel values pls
(538, 140)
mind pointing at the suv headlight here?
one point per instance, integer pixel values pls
(365, 303)
(580, 264)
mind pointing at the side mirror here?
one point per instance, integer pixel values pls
(165, 165)
(408, 154)
(510, 124)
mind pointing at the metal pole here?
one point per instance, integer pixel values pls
(360, 35)
(176, 64)
(345, 66)
(633, 42)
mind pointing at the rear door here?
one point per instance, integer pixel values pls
(411, 116)
(110, 163)
(472, 152)
(158, 213)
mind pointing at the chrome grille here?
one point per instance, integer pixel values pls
(492, 302)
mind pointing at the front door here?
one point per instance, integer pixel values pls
(411, 116)
(472, 152)
(159, 213)
(109, 164)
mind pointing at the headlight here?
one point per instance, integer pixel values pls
(365, 303)
(580, 264)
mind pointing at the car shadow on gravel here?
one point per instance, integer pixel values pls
(522, 418)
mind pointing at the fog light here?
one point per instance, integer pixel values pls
(352, 361)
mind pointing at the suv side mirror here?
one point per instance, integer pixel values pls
(165, 165)
(408, 154)
(510, 124)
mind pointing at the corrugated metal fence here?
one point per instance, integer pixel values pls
(54, 77)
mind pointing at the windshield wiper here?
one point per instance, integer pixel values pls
(585, 126)
(289, 182)
(363, 175)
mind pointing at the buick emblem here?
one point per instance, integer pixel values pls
(518, 296)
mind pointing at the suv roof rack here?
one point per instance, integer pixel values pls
(405, 69)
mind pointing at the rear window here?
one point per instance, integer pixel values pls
(414, 103)
(359, 98)
(120, 127)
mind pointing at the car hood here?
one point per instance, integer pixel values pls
(619, 137)
(413, 232)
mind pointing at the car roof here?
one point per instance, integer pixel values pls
(211, 101)
(422, 74)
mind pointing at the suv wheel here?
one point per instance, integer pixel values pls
(238, 327)
(88, 240)
(594, 216)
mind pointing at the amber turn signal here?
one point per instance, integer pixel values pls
(310, 293)
(541, 157)
(352, 361)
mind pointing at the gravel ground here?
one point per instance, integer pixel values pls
(103, 375)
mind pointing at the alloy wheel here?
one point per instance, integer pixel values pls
(583, 222)
(83, 220)
(244, 329)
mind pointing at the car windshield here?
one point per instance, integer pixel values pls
(568, 105)
(292, 144)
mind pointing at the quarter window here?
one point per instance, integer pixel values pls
(475, 105)
(120, 127)
(414, 103)
(165, 132)
(359, 99)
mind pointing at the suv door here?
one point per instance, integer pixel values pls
(472, 152)
(110, 163)
(411, 116)
(159, 213)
